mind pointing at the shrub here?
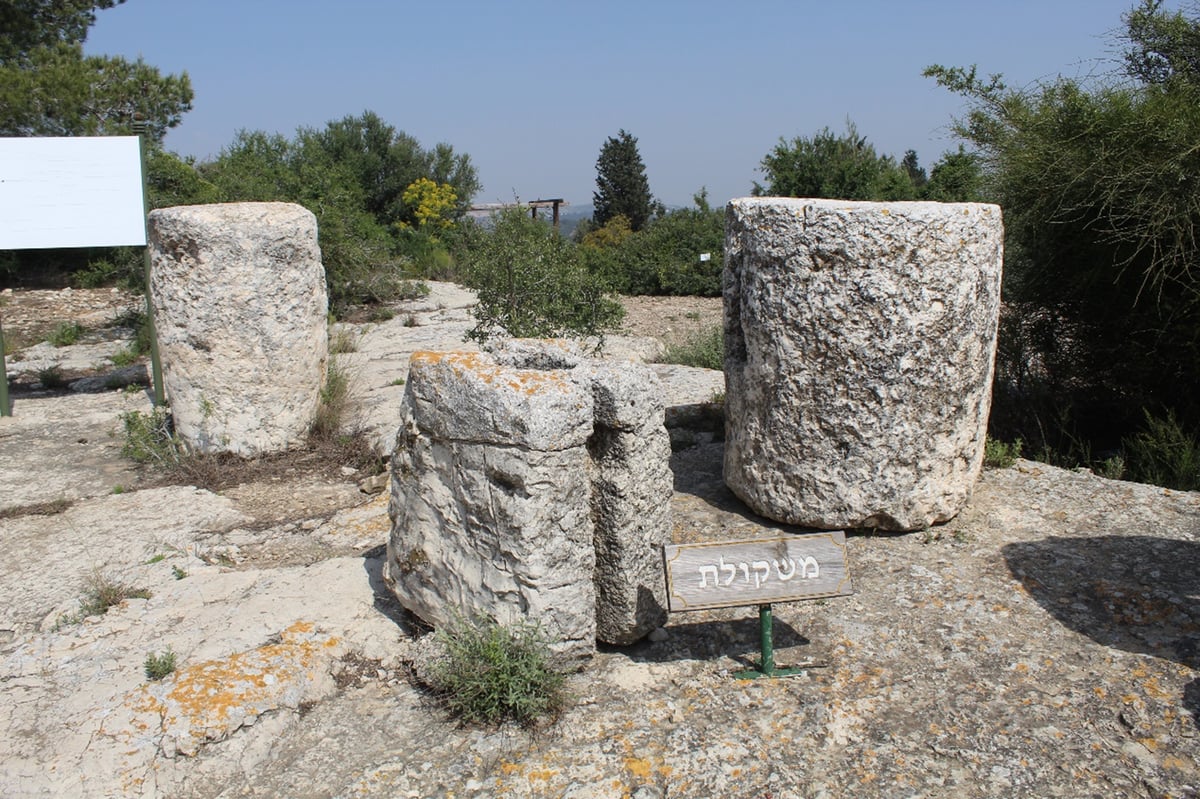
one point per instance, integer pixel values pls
(493, 673)
(1163, 453)
(150, 438)
(52, 378)
(705, 349)
(159, 664)
(65, 334)
(1000, 455)
(532, 284)
(103, 593)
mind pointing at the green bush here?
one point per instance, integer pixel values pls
(664, 256)
(705, 349)
(65, 334)
(1000, 455)
(150, 438)
(1097, 179)
(159, 664)
(1163, 453)
(533, 284)
(493, 673)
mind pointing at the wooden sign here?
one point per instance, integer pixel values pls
(755, 571)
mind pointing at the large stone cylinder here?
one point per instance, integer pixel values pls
(860, 340)
(241, 313)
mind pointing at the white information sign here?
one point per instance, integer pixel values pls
(71, 192)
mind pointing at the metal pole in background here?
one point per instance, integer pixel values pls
(139, 127)
(5, 409)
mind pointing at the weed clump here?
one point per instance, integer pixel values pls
(705, 349)
(159, 664)
(66, 333)
(493, 673)
(150, 438)
(999, 455)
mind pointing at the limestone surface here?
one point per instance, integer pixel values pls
(240, 300)
(860, 340)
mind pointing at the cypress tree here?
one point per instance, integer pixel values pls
(621, 185)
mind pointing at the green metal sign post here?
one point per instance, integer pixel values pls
(766, 666)
(5, 408)
(139, 128)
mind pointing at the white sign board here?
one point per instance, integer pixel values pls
(71, 192)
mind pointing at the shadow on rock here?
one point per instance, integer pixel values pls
(1137, 593)
(385, 601)
(709, 640)
(1191, 700)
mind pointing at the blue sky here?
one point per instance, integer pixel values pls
(531, 89)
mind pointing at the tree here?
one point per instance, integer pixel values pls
(386, 161)
(957, 177)
(29, 24)
(621, 184)
(839, 167)
(1100, 184)
(48, 87)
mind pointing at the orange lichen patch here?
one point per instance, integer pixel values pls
(639, 767)
(480, 367)
(208, 701)
(1155, 690)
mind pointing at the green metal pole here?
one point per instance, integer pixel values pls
(5, 408)
(160, 397)
(766, 666)
(766, 631)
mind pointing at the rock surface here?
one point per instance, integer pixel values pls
(241, 305)
(1042, 643)
(860, 340)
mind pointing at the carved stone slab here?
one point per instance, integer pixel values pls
(756, 571)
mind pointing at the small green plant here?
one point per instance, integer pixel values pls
(52, 378)
(380, 313)
(102, 593)
(118, 489)
(493, 673)
(159, 664)
(410, 320)
(123, 357)
(159, 558)
(532, 283)
(334, 402)
(66, 333)
(149, 438)
(705, 349)
(178, 573)
(342, 340)
(999, 455)
(1163, 453)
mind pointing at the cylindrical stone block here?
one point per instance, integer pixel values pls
(241, 313)
(860, 340)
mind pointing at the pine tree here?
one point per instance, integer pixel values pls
(621, 185)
